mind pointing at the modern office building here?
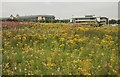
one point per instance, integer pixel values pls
(90, 19)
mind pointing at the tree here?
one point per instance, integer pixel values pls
(112, 21)
(55, 21)
(118, 22)
(12, 19)
(61, 21)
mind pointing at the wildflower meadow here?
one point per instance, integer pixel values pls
(59, 49)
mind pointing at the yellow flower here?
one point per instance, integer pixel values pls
(99, 66)
(62, 39)
(62, 45)
(81, 29)
(67, 53)
(17, 44)
(31, 61)
(24, 38)
(76, 35)
(71, 41)
(103, 41)
(9, 33)
(113, 49)
(79, 68)
(88, 74)
(81, 48)
(98, 45)
(74, 61)
(50, 65)
(75, 39)
(102, 54)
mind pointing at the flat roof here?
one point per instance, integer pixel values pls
(89, 17)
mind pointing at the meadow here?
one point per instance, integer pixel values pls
(59, 49)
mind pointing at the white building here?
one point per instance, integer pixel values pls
(11, 17)
(89, 20)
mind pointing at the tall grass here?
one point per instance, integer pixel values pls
(60, 49)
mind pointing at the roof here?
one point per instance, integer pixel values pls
(34, 16)
(11, 15)
(89, 17)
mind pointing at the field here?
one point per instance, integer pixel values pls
(60, 49)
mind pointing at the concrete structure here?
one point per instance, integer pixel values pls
(33, 17)
(37, 17)
(90, 19)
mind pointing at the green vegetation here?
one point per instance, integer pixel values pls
(60, 49)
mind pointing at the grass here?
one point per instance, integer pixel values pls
(60, 49)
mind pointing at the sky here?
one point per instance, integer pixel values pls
(59, 0)
(61, 10)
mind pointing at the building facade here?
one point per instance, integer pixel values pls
(45, 17)
(90, 19)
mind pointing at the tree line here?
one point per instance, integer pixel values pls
(41, 21)
(112, 21)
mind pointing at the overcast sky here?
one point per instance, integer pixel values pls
(61, 9)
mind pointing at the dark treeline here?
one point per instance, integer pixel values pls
(41, 21)
(112, 21)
